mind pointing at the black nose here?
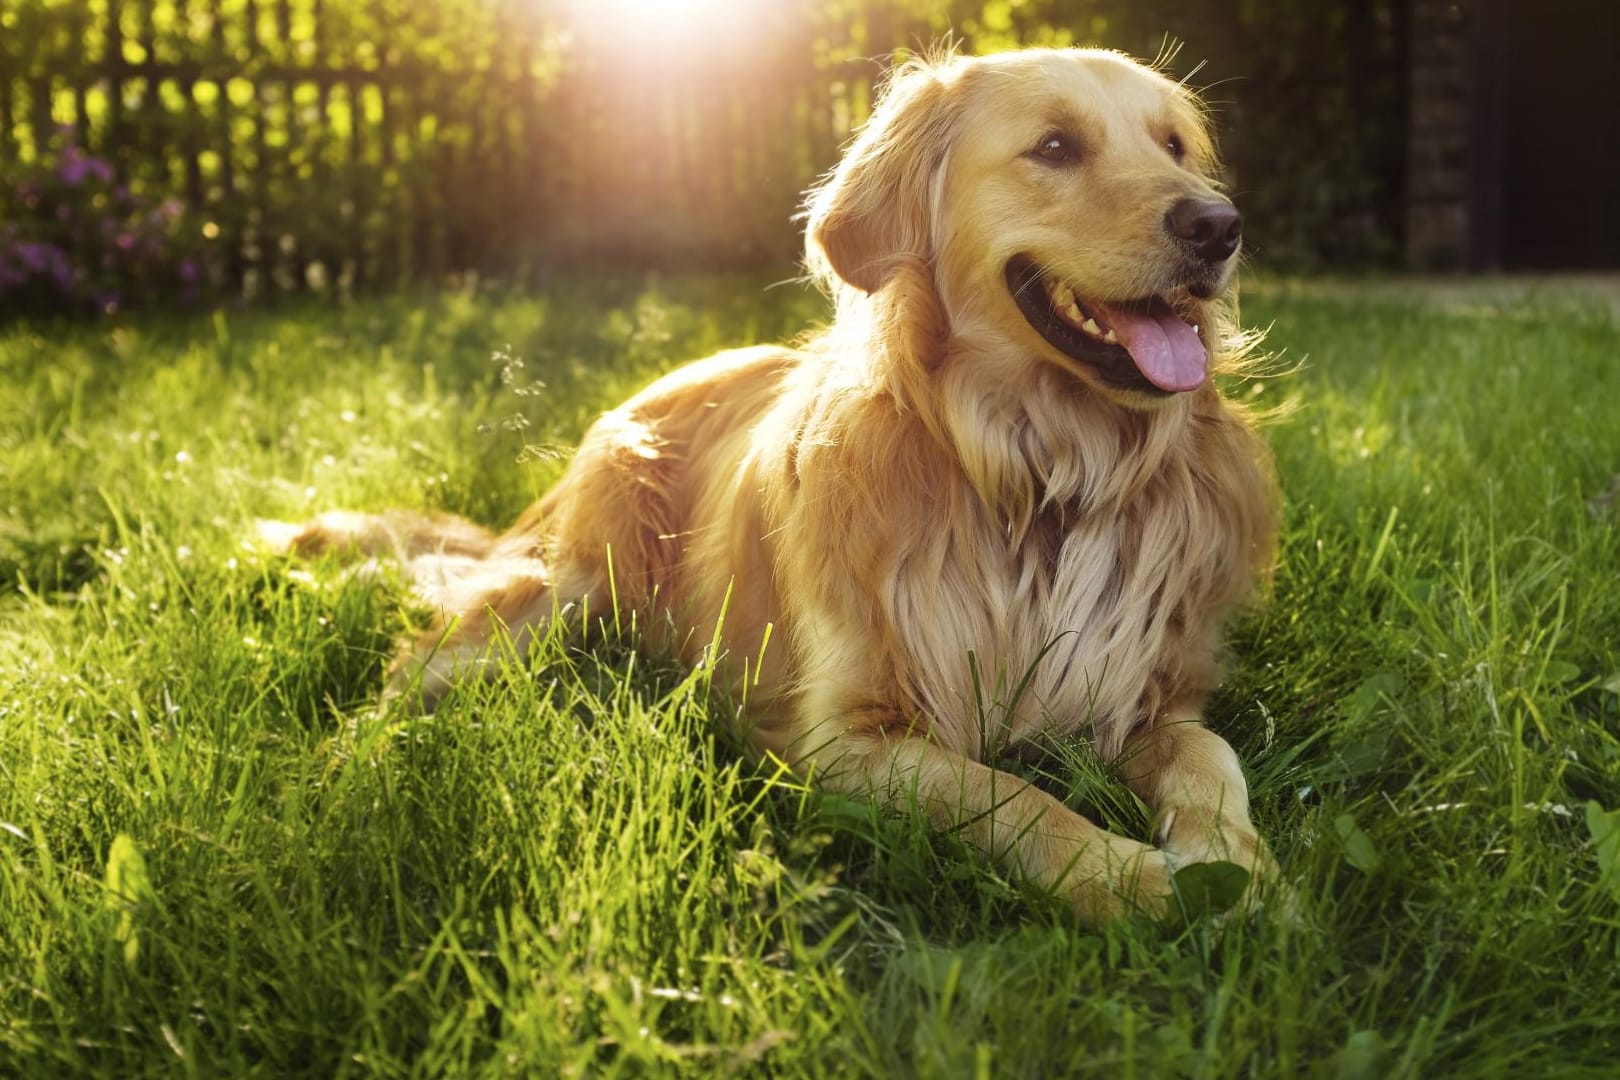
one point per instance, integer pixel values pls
(1210, 228)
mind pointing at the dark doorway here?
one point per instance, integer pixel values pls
(1560, 205)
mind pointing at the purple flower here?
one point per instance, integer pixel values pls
(84, 237)
(38, 259)
(33, 255)
(72, 167)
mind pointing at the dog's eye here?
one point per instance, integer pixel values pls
(1173, 144)
(1054, 148)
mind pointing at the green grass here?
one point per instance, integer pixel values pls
(567, 872)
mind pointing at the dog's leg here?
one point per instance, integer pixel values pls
(517, 595)
(1020, 827)
(396, 534)
(1191, 779)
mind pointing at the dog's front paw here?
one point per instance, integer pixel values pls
(1135, 884)
(1228, 869)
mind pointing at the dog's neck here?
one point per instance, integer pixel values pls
(1035, 440)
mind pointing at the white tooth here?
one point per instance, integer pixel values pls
(1111, 337)
(1090, 326)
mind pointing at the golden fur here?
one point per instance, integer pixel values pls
(930, 489)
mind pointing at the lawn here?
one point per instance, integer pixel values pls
(218, 858)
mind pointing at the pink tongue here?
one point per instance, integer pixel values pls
(1164, 347)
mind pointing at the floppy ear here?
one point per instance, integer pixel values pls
(872, 212)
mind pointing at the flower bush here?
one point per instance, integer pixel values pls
(75, 238)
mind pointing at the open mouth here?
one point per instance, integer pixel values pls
(1141, 345)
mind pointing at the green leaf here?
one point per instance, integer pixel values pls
(1356, 758)
(1361, 1056)
(1612, 683)
(1372, 692)
(1359, 850)
(1604, 825)
(1208, 888)
(1559, 672)
(128, 886)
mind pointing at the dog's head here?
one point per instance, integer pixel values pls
(1062, 202)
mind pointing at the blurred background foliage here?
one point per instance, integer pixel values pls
(198, 147)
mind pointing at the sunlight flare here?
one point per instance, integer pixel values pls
(659, 16)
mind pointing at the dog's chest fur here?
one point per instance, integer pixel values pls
(1091, 615)
(1061, 571)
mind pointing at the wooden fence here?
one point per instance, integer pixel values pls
(369, 142)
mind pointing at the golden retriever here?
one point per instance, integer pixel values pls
(1004, 464)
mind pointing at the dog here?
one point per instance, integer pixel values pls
(1004, 462)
